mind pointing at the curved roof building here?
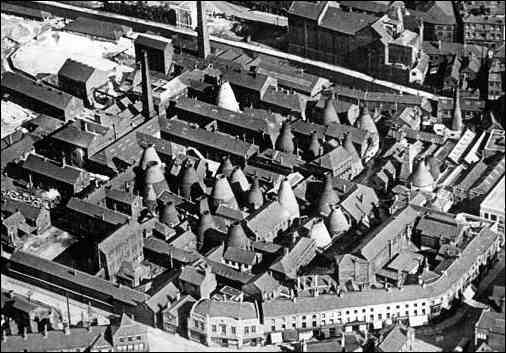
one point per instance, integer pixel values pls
(255, 197)
(154, 174)
(365, 121)
(320, 234)
(169, 214)
(149, 157)
(222, 193)
(337, 221)
(328, 197)
(226, 167)
(287, 198)
(206, 222)
(188, 179)
(237, 238)
(285, 142)
(226, 97)
(422, 178)
(329, 112)
(238, 178)
(315, 147)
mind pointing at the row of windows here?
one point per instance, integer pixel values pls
(131, 348)
(233, 329)
(130, 339)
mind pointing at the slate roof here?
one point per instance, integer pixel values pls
(120, 196)
(162, 247)
(17, 149)
(27, 210)
(334, 130)
(229, 273)
(375, 241)
(75, 136)
(334, 159)
(438, 225)
(66, 274)
(291, 101)
(306, 9)
(156, 42)
(262, 283)
(222, 142)
(345, 22)
(239, 255)
(192, 275)
(245, 79)
(267, 218)
(236, 310)
(300, 255)
(36, 91)
(42, 166)
(393, 341)
(360, 201)
(24, 12)
(96, 211)
(96, 28)
(378, 7)
(76, 71)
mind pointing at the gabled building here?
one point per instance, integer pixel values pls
(81, 80)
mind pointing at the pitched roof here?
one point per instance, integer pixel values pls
(375, 241)
(393, 341)
(300, 255)
(239, 255)
(36, 91)
(152, 41)
(96, 28)
(96, 211)
(219, 141)
(345, 22)
(76, 71)
(28, 211)
(306, 9)
(42, 166)
(80, 279)
(334, 159)
(262, 283)
(236, 310)
(269, 217)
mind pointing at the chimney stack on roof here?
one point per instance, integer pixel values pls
(206, 222)
(285, 142)
(287, 199)
(148, 107)
(204, 46)
(188, 180)
(255, 197)
(328, 196)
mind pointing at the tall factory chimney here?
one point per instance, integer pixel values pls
(148, 109)
(203, 35)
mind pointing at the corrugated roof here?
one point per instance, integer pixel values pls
(306, 9)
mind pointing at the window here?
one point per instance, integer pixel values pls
(372, 309)
(347, 312)
(195, 323)
(294, 325)
(388, 308)
(407, 305)
(314, 323)
(371, 317)
(415, 305)
(397, 306)
(493, 217)
(223, 329)
(407, 313)
(415, 312)
(304, 317)
(122, 339)
(363, 310)
(323, 315)
(130, 338)
(304, 325)
(213, 328)
(233, 330)
(273, 328)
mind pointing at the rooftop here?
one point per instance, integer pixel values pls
(123, 294)
(43, 166)
(236, 310)
(35, 90)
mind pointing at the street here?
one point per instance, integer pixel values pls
(447, 334)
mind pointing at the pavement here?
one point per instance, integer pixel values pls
(161, 341)
(447, 333)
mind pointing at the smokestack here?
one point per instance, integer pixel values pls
(147, 95)
(203, 35)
